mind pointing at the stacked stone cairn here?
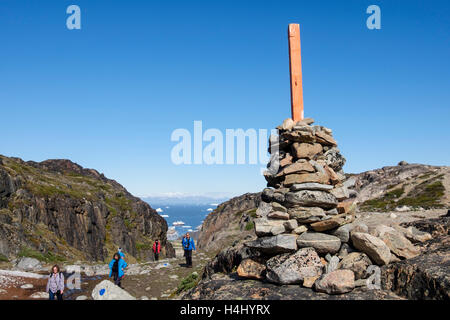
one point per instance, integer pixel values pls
(305, 225)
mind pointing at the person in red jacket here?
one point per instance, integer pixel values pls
(156, 249)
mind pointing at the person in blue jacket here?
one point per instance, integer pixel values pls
(188, 245)
(116, 267)
(119, 251)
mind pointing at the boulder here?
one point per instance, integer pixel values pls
(306, 150)
(306, 214)
(396, 241)
(81, 298)
(39, 295)
(358, 262)
(106, 290)
(321, 242)
(251, 269)
(416, 236)
(336, 282)
(28, 264)
(27, 286)
(375, 248)
(310, 198)
(293, 268)
(282, 243)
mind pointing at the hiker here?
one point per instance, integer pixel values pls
(55, 284)
(156, 249)
(183, 240)
(119, 251)
(116, 267)
(188, 246)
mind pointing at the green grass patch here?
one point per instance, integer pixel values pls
(46, 257)
(249, 226)
(3, 258)
(188, 283)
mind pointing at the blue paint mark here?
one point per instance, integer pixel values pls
(102, 292)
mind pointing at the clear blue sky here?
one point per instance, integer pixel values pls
(108, 96)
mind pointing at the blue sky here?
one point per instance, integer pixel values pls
(108, 96)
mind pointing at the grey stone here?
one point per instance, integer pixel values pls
(282, 243)
(358, 262)
(290, 225)
(375, 248)
(332, 264)
(311, 199)
(321, 242)
(293, 268)
(106, 290)
(28, 264)
(263, 209)
(311, 186)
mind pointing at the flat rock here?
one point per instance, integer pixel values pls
(306, 214)
(311, 186)
(278, 215)
(313, 198)
(332, 223)
(300, 230)
(321, 242)
(306, 150)
(282, 243)
(375, 248)
(299, 178)
(293, 268)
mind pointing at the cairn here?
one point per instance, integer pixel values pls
(308, 188)
(305, 230)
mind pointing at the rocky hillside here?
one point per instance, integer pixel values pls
(56, 210)
(231, 221)
(403, 187)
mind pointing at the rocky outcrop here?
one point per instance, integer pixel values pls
(229, 287)
(402, 188)
(58, 210)
(231, 221)
(426, 276)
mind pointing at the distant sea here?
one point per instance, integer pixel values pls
(192, 215)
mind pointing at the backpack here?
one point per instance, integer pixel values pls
(115, 267)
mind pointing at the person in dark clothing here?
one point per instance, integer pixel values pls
(156, 249)
(117, 266)
(188, 245)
